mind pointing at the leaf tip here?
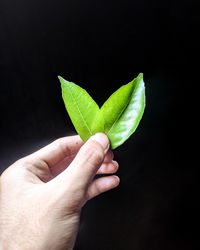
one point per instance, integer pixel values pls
(60, 78)
(141, 75)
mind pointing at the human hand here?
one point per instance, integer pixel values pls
(41, 195)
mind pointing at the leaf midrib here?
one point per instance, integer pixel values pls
(119, 115)
(134, 88)
(80, 111)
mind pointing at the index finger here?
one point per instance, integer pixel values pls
(59, 149)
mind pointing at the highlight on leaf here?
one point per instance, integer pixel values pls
(119, 116)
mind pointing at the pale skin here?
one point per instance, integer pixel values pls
(41, 195)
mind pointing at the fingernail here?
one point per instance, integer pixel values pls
(103, 140)
(115, 180)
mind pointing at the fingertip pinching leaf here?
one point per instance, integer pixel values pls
(119, 116)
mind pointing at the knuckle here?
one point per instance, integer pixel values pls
(59, 144)
(21, 162)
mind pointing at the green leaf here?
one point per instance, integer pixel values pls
(122, 112)
(118, 117)
(81, 107)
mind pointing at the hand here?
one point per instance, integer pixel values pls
(41, 195)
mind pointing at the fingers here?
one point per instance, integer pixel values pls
(58, 150)
(86, 163)
(109, 156)
(62, 165)
(75, 185)
(101, 185)
(90, 158)
(108, 168)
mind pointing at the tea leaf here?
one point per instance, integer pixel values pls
(123, 111)
(81, 107)
(118, 117)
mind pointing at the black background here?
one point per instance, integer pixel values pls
(101, 45)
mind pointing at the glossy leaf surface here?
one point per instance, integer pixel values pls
(123, 115)
(112, 109)
(118, 117)
(81, 107)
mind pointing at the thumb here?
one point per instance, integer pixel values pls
(86, 163)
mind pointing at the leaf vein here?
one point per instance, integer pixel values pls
(80, 112)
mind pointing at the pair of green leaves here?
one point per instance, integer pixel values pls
(119, 116)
